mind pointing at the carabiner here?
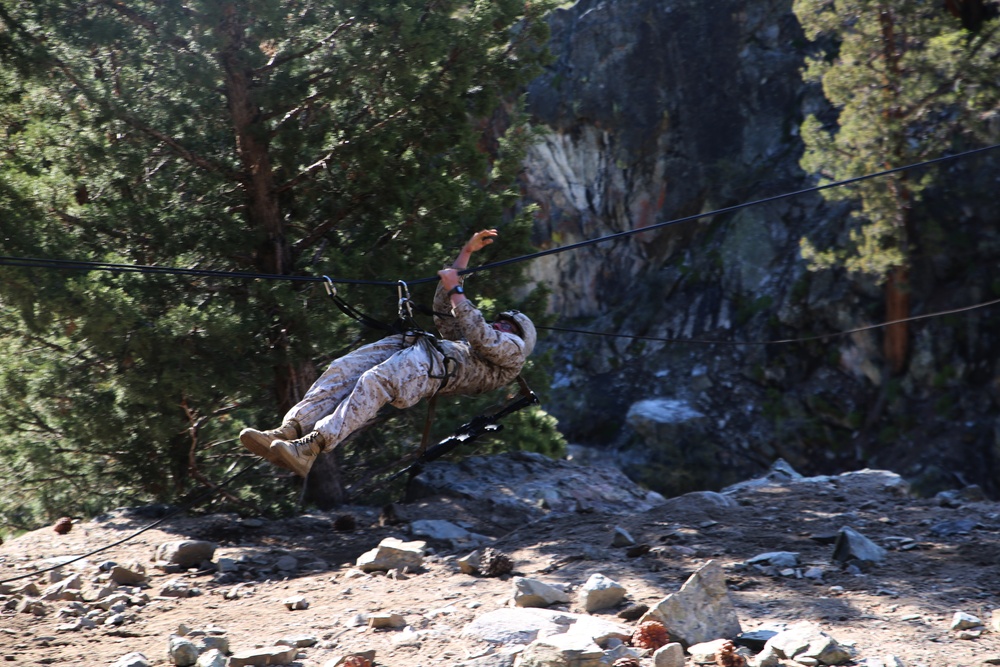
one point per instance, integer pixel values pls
(404, 301)
(331, 289)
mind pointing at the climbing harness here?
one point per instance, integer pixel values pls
(406, 326)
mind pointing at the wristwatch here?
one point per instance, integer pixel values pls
(457, 289)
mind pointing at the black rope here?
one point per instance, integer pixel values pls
(132, 536)
(835, 334)
(34, 262)
(728, 209)
(131, 268)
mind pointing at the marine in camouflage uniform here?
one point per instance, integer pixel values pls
(473, 356)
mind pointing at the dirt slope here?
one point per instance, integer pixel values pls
(943, 558)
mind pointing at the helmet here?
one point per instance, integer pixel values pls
(524, 326)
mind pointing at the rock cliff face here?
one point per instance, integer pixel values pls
(654, 110)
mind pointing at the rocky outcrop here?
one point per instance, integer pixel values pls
(658, 110)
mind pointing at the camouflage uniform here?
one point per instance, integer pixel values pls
(402, 369)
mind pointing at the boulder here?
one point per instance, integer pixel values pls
(700, 611)
(261, 657)
(393, 554)
(512, 626)
(184, 553)
(804, 642)
(853, 546)
(535, 593)
(600, 592)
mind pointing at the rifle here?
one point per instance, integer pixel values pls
(485, 423)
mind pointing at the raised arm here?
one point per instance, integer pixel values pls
(447, 297)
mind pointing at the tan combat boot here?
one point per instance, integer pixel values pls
(298, 455)
(259, 442)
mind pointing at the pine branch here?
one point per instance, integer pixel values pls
(277, 61)
(144, 22)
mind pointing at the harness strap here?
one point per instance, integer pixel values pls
(425, 438)
(356, 314)
(446, 373)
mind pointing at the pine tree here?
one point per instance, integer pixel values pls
(281, 137)
(906, 80)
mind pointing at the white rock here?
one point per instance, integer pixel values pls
(964, 621)
(212, 658)
(356, 621)
(227, 565)
(621, 538)
(776, 559)
(132, 660)
(258, 657)
(176, 588)
(438, 529)
(671, 655)
(184, 553)
(852, 545)
(700, 611)
(182, 651)
(407, 637)
(378, 621)
(131, 574)
(470, 563)
(884, 661)
(65, 589)
(564, 649)
(768, 657)
(296, 602)
(298, 641)
(513, 625)
(210, 642)
(600, 592)
(78, 624)
(393, 553)
(804, 643)
(705, 652)
(535, 593)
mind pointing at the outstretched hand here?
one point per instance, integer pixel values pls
(480, 240)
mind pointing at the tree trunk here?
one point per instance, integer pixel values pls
(274, 254)
(324, 485)
(896, 342)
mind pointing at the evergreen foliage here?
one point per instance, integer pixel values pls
(290, 137)
(909, 83)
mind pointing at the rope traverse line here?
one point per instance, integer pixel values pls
(137, 533)
(137, 268)
(729, 209)
(835, 334)
(32, 262)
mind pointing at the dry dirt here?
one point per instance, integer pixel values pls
(903, 607)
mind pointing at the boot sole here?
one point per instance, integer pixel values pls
(259, 445)
(286, 458)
